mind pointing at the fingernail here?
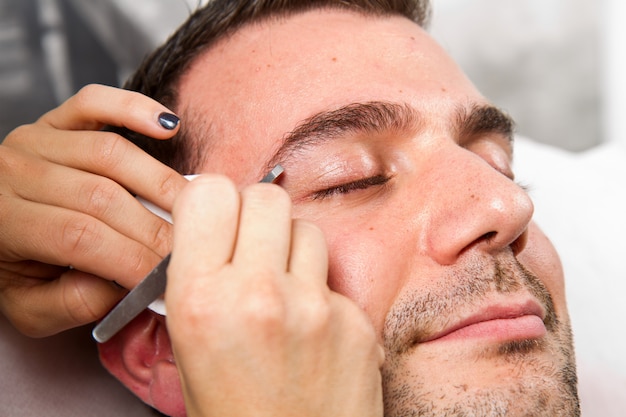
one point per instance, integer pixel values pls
(168, 121)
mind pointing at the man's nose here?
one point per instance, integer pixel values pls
(473, 206)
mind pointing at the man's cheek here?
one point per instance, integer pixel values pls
(363, 274)
(541, 258)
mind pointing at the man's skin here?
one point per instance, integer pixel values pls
(422, 227)
(426, 230)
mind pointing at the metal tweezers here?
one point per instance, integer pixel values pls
(148, 290)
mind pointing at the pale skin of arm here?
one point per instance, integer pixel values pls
(64, 184)
(254, 327)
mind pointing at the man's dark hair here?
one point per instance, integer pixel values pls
(160, 72)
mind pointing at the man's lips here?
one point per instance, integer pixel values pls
(497, 323)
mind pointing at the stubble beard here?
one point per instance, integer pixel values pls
(541, 375)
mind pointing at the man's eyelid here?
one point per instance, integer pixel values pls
(487, 146)
(505, 142)
(344, 188)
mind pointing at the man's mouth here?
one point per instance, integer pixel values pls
(496, 323)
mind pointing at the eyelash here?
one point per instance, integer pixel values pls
(364, 183)
(525, 187)
(349, 187)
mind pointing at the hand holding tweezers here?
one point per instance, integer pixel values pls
(148, 290)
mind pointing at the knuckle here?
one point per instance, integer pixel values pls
(89, 90)
(134, 259)
(7, 159)
(194, 313)
(98, 196)
(168, 184)
(109, 150)
(85, 298)
(185, 313)
(138, 259)
(18, 163)
(18, 135)
(131, 100)
(21, 143)
(263, 307)
(161, 236)
(79, 310)
(315, 317)
(79, 234)
(85, 95)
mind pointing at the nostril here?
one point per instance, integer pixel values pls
(489, 236)
(516, 246)
(520, 243)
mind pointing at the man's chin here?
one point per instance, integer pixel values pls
(513, 378)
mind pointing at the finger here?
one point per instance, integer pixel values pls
(96, 105)
(58, 236)
(309, 253)
(264, 236)
(43, 308)
(103, 153)
(205, 217)
(31, 269)
(98, 197)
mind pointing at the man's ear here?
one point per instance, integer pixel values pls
(141, 357)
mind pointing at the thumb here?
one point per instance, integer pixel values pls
(49, 307)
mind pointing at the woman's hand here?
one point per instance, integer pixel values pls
(254, 327)
(69, 223)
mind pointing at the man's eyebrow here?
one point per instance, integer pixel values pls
(483, 119)
(369, 117)
(383, 117)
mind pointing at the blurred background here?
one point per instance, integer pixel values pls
(552, 64)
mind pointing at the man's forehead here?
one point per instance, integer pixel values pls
(261, 82)
(328, 38)
(302, 26)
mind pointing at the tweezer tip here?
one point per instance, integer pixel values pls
(278, 169)
(273, 174)
(97, 336)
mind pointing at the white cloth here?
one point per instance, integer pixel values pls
(580, 203)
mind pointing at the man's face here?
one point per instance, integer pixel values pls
(407, 170)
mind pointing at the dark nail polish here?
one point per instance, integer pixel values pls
(168, 121)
